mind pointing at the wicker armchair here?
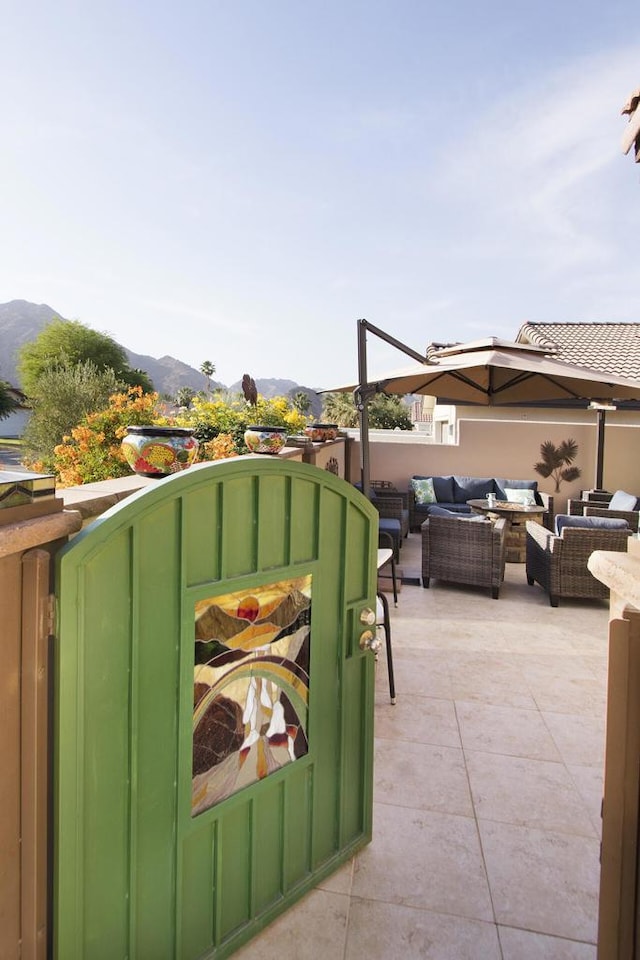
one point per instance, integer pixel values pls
(464, 551)
(391, 503)
(558, 562)
(595, 504)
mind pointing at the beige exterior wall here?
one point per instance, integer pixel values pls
(505, 447)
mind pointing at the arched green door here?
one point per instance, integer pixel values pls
(214, 710)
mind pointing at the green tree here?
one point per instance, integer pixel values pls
(7, 402)
(385, 412)
(184, 396)
(557, 461)
(301, 401)
(339, 408)
(389, 413)
(66, 393)
(69, 342)
(207, 369)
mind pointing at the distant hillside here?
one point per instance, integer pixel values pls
(21, 322)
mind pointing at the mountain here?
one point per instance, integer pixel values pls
(21, 322)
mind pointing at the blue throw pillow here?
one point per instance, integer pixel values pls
(472, 488)
(604, 523)
(622, 501)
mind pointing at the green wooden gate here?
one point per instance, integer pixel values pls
(214, 710)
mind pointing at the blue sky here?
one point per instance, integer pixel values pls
(239, 181)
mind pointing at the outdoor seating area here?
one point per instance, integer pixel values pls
(488, 785)
(454, 493)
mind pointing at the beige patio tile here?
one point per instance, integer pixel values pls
(576, 695)
(589, 782)
(524, 945)
(421, 673)
(537, 666)
(532, 793)
(506, 730)
(579, 739)
(489, 679)
(341, 880)
(385, 931)
(542, 881)
(419, 858)
(417, 719)
(313, 929)
(422, 776)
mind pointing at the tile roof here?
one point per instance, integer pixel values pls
(612, 347)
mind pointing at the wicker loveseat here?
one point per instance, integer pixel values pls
(558, 561)
(452, 493)
(461, 550)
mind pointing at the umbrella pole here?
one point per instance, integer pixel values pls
(600, 448)
(363, 393)
(361, 397)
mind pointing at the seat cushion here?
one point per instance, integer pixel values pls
(437, 511)
(602, 523)
(623, 501)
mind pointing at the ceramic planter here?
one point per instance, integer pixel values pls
(265, 439)
(320, 432)
(159, 451)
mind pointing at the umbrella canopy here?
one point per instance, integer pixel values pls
(494, 372)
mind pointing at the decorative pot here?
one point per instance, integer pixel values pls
(265, 439)
(320, 432)
(153, 451)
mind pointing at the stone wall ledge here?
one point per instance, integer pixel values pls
(26, 534)
(619, 571)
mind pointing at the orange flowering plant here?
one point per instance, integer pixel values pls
(92, 452)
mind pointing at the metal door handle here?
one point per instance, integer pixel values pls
(369, 641)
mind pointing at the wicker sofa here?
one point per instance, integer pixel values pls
(461, 550)
(598, 503)
(558, 561)
(452, 493)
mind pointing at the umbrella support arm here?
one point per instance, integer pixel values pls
(365, 390)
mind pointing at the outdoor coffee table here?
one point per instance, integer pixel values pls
(516, 515)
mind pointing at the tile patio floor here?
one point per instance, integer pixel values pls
(488, 781)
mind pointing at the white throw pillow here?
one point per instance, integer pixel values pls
(622, 501)
(526, 497)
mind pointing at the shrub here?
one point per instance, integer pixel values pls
(212, 418)
(92, 451)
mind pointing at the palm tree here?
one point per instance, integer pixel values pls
(208, 369)
(339, 408)
(184, 396)
(557, 461)
(301, 401)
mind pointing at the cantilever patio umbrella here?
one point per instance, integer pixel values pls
(489, 372)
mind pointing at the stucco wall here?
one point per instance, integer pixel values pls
(509, 448)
